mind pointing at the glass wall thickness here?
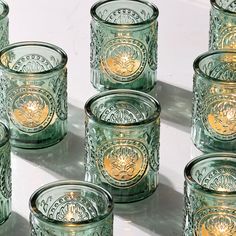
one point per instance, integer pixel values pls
(123, 45)
(34, 93)
(122, 143)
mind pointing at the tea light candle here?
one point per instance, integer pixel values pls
(122, 143)
(214, 103)
(71, 208)
(34, 93)
(124, 45)
(210, 195)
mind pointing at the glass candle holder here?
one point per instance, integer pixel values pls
(122, 143)
(5, 174)
(67, 208)
(34, 93)
(222, 24)
(4, 10)
(210, 195)
(214, 101)
(123, 45)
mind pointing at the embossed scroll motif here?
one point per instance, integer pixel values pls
(124, 16)
(122, 162)
(32, 63)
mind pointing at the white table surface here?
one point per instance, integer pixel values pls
(183, 35)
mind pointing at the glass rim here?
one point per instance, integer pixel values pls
(201, 73)
(38, 214)
(148, 21)
(152, 118)
(53, 47)
(219, 8)
(6, 137)
(190, 180)
(5, 9)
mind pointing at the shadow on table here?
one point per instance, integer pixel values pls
(16, 225)
(176, 105)
(65, 159)
(159, 214)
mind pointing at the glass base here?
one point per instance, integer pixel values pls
(134, 198)
(35, 145)
(207, 144)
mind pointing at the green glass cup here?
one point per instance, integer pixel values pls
(5, 174)
(34, 93)
(210, 195)
(123, 45)
(4, 22)
(122, 143)
(222, 24)
(67, 208)
(214, 101)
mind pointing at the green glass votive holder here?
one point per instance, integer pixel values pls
(210, 195)
(67, 208)
(34, 93)
(123, 45)
(5, 174)
(122, 143)
(4, 22)
(222, 24)
(214, 101)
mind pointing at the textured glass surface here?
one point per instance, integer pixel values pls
(210, 196)
(122, 143)
(33, 95)
(123, 45)
(214, 101)
(4, 9)
(69, 208)
(223, 24)
(5, 174)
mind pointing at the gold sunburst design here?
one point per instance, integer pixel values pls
(123, 163)
(30, 108)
